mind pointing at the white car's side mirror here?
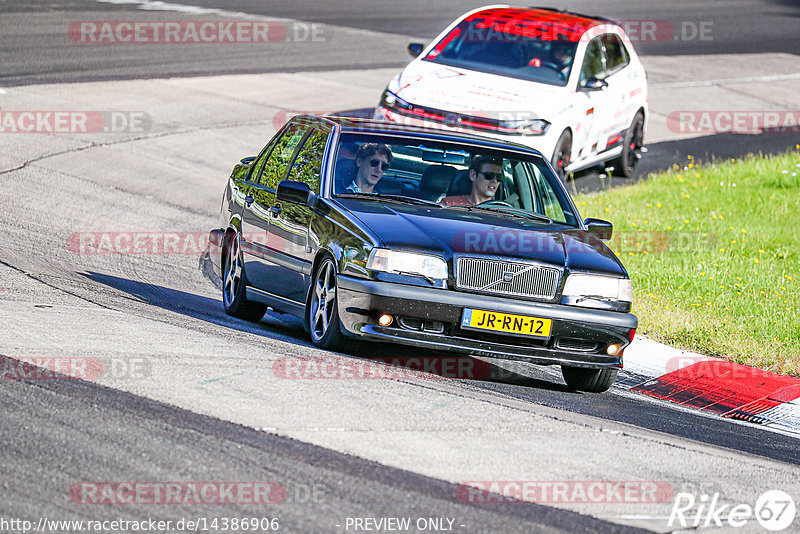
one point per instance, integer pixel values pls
(594, 84)
(415, 49)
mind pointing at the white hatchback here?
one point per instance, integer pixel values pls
(568, 85)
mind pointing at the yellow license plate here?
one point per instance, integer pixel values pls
(508, 323)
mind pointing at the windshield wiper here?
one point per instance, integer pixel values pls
(399, 198)
(415, 200)
(514, 212)
(529, 214)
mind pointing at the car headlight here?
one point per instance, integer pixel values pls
(591, 286)
(392, 101)
(525, 127)
(394, 261)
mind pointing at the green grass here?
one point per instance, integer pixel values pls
(714, 255)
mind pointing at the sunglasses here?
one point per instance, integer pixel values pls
(492, 176)
(375, 162)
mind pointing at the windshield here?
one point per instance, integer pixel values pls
(450, 176)
(485, 45)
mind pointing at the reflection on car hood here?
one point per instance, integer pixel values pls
(478, 233)
(479, 94)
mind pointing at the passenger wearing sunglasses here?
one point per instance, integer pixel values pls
(486, 174)
(372, 160)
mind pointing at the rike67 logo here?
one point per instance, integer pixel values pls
(774, 510)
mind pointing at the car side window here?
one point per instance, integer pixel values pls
(258, 164)
(593, 64)
(307, 166)
(617, 56)
(281, 155)
(549, 204)
(510, 192)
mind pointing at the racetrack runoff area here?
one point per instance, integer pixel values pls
(160, 308)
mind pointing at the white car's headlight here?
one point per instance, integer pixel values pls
(392, 101)
(525, 126)
(589, 286)
(395, 261)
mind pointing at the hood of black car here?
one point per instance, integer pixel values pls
(456, 231)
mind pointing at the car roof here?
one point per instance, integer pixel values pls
(369, 126)
(537, 20)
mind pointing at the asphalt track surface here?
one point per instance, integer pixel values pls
(35, 47)
(61, 431)
(67, 429)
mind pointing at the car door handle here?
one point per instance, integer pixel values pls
(275, 210)
(248, 199)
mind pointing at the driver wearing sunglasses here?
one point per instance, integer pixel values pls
(486, 174)
(372, 160)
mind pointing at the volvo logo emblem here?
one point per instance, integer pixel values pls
(508, 276)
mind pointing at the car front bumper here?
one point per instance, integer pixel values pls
(361, 302)
(545, 143)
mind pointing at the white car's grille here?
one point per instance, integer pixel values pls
(505, 277)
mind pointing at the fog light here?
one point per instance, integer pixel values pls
(385, 320)
(612, 350)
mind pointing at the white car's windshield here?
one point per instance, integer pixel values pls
(451, 176)
(508, 50)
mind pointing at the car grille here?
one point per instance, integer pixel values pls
(456, 120)
(507, 277)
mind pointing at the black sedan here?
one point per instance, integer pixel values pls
(371, 230)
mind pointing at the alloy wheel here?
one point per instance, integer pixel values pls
(233, 273)
(323, 301)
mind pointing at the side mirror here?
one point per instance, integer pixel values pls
(295, 193)
(599, 228)
(241, 169)
(595, 84)
(415, 49)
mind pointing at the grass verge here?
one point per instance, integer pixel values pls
(714, 255)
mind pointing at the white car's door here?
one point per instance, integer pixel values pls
(593, 103)
(621, 86)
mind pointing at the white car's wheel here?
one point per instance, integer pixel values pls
(632, 144)
(561, 155)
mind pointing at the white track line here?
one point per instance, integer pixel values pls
(156, 5)
(725, 81)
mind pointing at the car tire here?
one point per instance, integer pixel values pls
(322, 313)
(562, 154)
(632, 142)
(590, 380)
(234, 283)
